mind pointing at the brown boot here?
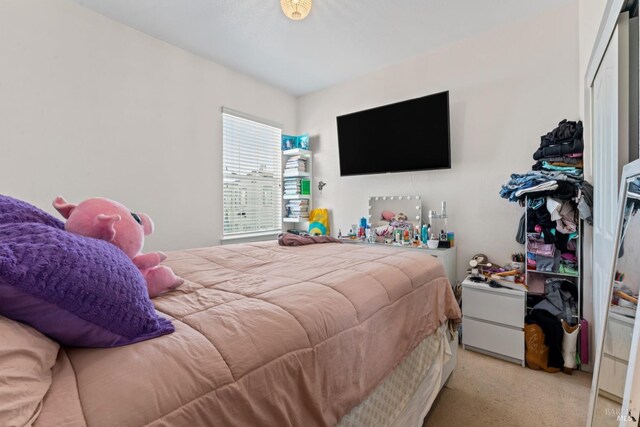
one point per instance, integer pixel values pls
(537, 353)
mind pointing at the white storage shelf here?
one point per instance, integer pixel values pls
(296, 175)
(535, 279)
(297, 197)
(297, 152)
(308, 174)
(295, 220)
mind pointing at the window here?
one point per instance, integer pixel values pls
(252, 199)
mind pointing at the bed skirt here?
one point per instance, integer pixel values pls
(406, 395)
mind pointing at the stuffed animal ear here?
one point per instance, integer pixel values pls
(63, 206)
(105, 226)
(147, 223)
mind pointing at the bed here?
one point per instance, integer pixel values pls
(316, 335)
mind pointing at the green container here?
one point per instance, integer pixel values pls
(305, 187)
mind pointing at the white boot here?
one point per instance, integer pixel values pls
(569, 341)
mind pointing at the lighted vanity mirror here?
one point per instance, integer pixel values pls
(615, 393)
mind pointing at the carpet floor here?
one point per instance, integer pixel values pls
(485, 391)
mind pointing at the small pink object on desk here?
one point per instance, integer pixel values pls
(388, 215)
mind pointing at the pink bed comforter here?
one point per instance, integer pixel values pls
(265, 335)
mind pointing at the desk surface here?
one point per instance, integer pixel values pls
(423, 248)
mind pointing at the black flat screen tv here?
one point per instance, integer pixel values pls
(406, 136)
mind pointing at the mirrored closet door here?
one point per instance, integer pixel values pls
(614, 399)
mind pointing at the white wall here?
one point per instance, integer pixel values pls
(90, 107)
(507, 87)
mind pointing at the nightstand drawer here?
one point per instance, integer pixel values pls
(613, 376)
(494, 338)
(617, 340)
(484, 304)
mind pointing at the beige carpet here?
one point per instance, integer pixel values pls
(485, 391)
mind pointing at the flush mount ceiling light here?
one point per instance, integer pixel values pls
(296, 9)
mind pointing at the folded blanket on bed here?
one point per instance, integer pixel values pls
(290, 239)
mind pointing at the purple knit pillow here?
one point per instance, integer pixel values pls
(79, 291)
(14, 210)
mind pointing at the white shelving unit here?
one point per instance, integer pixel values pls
(289, 222)
(541, 276)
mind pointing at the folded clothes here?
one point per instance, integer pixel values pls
(540, 248)
(561, 185)
(565, 164)
(561, 149)
(555, 175)
(568, 267)
(545, 186)
(519, 182)
(565, 191)
(568, 256)
(536, 203)
(564, 158)
(545, 263)
(565, 132)
(531, 260)
(570, 170)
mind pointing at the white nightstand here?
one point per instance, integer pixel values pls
(493, 320)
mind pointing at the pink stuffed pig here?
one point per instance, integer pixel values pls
(111, 221)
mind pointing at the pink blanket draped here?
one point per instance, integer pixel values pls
(266, 335)
(290, 239)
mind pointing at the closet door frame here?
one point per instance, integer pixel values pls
(606, 31)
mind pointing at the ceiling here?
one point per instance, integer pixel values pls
(339, 40)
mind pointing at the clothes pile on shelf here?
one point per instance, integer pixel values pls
(552, 234)
(555, 197)
(297, 208)
(560, 303)
(295, 165)
(557, 172)
(563, 143)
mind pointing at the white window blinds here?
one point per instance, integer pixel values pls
(252, 199)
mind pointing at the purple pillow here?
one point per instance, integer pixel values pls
(79, 291)
(14, 210)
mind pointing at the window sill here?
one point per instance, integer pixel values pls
(235, 238)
